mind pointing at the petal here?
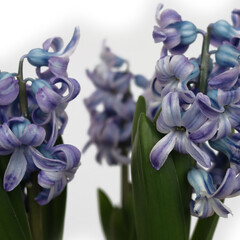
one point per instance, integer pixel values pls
(227, 97)
(33, 135)
(236, 18)
(15, 170)
(205, 132)
(58, 65)
(204, 104)
(193, 118)
(161, 150)
(70, 48)
(224, 127)
(8, 141)
(119, 157)
(200, 156)
(225, 80)
(201, 181)
(162, 126)
(202, 208)
(171, 113)
(47, 99)
(110, 134)
(9, 89)
(45, 163)
(55, 43)
(173, 38)
(70, 154)
(181, 67)
(227, 185)
(158, 35)
(167, 17)
(219, 208)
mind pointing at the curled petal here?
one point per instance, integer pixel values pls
(167, 17)
(236, 18)
(158, 35)
(58, 65)
(119, 158)
(161, 150)
(70, 48)
(8, 141)
(181, 67)
(47, 99)
(15, 170)
(204, 104)
(9, 88)
(225, 80)
(224, 127)
(70, 154)
(227, 186)
(55, 43)
(33, 135)
(47, 163)
(201, 181)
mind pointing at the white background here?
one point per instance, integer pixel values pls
(127, 26)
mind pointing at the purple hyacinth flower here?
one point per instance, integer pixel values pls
(173, 73)
(8, 88)
(208, 196)
(56, 61)
(175, 34)
(18, 136)
(57, 168)
(178, 125)
(49, 96)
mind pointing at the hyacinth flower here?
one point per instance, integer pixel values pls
(8, 88)
(173, 74)
(56, 61)
(19, 136)
(208, 197)
(57, 167)
(223, 31)
(180, 128)
(175, 34)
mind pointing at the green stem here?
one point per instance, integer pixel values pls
(22, 90)
(205, 58)
(124, 184)
(34, 209)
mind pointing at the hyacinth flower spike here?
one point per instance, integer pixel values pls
(179, 126)
(208, 197)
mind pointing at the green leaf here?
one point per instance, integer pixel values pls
(118, 230)
(105, 209)
(53, 215)
(13, 219)
(140, 108)
(159, 212)
(205, 228)
(183, 163)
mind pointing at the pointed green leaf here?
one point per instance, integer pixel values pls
(105, 210)
(159, 213)
(13, 219)
(205, 228)
(118, 229)
(53, 215)
(140, 108)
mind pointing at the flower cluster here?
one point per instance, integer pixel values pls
(111, 108)
(198, 101)
(32, 118)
